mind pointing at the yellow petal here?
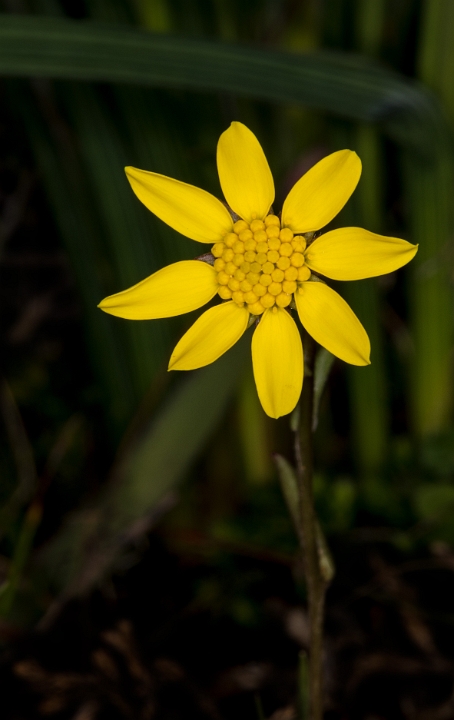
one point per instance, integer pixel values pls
(176, 289)
(210, 337)
(332, 323)
(355, 254)
(277, 358)
(322, 192)
(244, 173)
(187, 209)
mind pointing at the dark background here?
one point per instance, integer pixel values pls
(148, 568)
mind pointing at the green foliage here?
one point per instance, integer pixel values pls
(434, 506)
(346, 86)
(106, 92)
(146, 472)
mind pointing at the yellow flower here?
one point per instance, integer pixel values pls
(259, 264)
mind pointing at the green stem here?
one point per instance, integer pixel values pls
(308, 534)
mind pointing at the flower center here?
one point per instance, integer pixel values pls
(260, 264)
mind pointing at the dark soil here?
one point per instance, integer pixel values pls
(150, 645)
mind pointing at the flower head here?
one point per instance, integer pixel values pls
(261, 266)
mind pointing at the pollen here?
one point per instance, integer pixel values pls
(260, 264)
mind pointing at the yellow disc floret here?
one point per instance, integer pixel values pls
(272, 231)
(268, 300)
(260, 264)
(224, 292)
(245, 236)
(283, 299)
(272, 220)
(257, 225)
(304, 273)
(230, 239)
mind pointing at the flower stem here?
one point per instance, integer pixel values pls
(317, 579)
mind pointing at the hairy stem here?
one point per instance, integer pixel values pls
(316, 579)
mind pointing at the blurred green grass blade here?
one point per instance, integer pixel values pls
(104, 159)
(151, 136)
(174, 438)
(154, 142)
(138, 242)
(22, 453)
(341, 84)
(154, 15)
(146, 473)
(370, 17)
(368, 390)
(431, 220)
(253, 434)
(369, 398)
(323, 364)
(290, 491)
(127, 229)
(430, 290)
(18, 562)
(368, 386)
(436, 51)
(67, 188)
(111, 10)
